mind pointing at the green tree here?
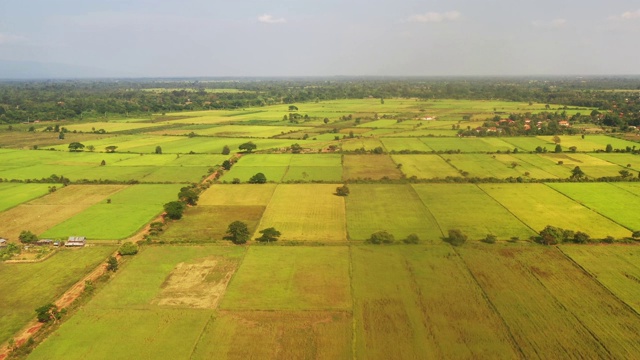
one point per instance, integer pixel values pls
(226, 150)
(61, 135)
(326, 120)
(248, 146)
(296, 148)
(112, 264)
(456, 237)
(489, 239)
(342, 190)
(27, 237)
(238, 232)
(110, 148)
(174, 209)
(76, 146)
(258, 178)
(188, 195)
(551, 235)
(558, 148)
(269, 235)
(577, 173)
(226, 164)
(293, 108)
(158, 150)
(609, 148)
(91, 148)
(636, 234)
(411, 239)
(128, 248)
(381, 237)
(581, 238)
(556, 139)
(48, 313)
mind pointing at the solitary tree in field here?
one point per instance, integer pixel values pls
(238, 232)
(577, 173)
(556, 139)
(226, 150)
(76, 146)
(342, 190)
(91, 148)
(609, 148)
(269, 235)
(258, 178)
(110, 148)
(456, 237)
(381, 237)
(158, 150)
(248, 146)
(558, 148)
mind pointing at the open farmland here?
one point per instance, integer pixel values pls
(177, 290)
(537, 206)
(41, 214)
(373, 167)
(615, 267)
(395, 208)
(467, 208)
(406, 305)
(306, 212)
(27, 286)
(129, 210)
(13, 194)
(567, 302)
(425, 166)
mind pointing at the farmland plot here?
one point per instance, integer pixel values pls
(369, 166)
(291, 278)
(537, 206)
(424, 166)
(12, 194)
(467, 208)
(607, 199)
(176, 291)
(615, 267)
(24, 287)
(306, 212)
(394, 208)
(406, 305)
(511, 285)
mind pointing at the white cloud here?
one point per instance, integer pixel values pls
(10, 38)
(628, 15)
(269, 19)
(553, 24)
(435, 17)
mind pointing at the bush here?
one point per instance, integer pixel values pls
(342, 190)
(456, 237)
(381, 237)
(174, 209)
(489, 239)
(27, 237)
(128, 248)
(258, 178)
(411, 239)
(47, 313)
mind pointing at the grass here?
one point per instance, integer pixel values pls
(13, 194)
(43, 213)
(592, 166)
(155, 328)
(424, 166)
(369, 167)
(319, 214)
(615, 267)
(395, 208)
(466, 145)
(129, 210)
(24, 287)
(399, 144)
(471, 210)
(291, 278)
(537, 205)
(276, 335)
(408, 305)
(607, 199)
(237, 194)
(483, 166)
(207, 223)
(511, 276)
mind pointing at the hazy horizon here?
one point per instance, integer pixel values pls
(197, 38)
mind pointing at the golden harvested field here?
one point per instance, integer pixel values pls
(306, 212)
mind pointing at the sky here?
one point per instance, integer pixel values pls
(192, 38)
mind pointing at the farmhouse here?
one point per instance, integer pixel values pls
(3, 242)
(44, 242)
(77, 241)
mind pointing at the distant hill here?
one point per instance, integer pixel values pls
(37, 70)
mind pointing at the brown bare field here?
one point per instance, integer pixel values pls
(43, 213)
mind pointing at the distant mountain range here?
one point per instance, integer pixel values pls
(18, 70)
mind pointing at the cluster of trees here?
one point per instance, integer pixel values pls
(238, 233)
(384, 237)
(188, 195)
(51, 100)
